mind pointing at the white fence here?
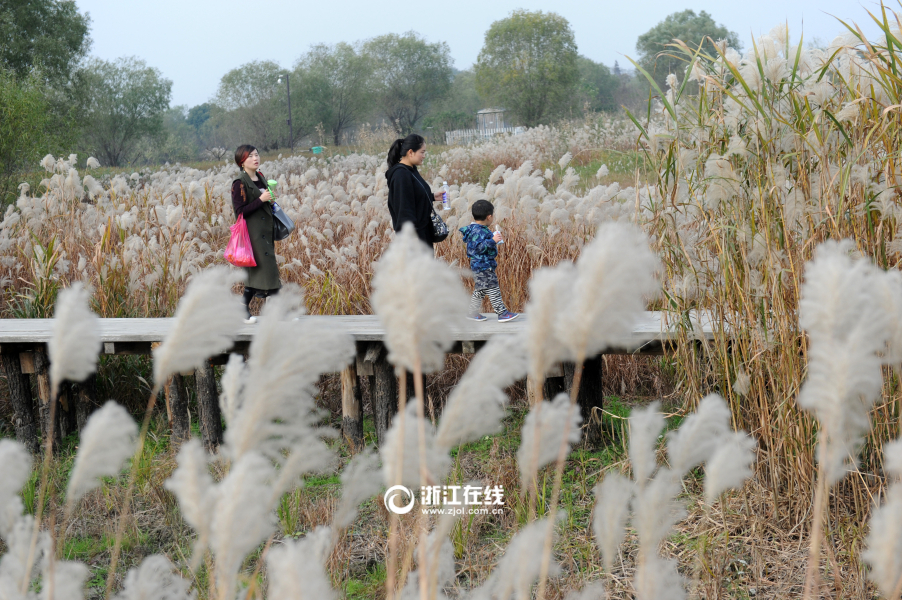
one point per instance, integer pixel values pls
(466, 136)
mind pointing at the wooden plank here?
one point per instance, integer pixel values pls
(26, 360)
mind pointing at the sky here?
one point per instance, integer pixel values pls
(195, 42)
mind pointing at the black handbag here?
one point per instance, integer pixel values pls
(282, 225)
(440, 231)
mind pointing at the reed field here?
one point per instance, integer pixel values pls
(761, 187)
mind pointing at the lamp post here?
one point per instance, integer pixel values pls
(290, 131)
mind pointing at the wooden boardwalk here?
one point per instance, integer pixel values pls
(135, 336)
(23, 355)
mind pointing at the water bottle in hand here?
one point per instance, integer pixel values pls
(497, 230)
(445, 193)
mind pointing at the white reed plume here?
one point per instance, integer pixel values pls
(476, 406)
(242, 519)
(543, 434)
(94, 188)
(612, 502)
(233, 380)
(699, 435)
(297, 569)
(655, 514)
(75, 342)
(154, 579)
(518, 569)
(419, 301)
(645, 429)
(436, 558)
(92, 163)
(884, 542)
(615, 274)
(891, 305)
(360, 479)
(15, 469)
(107, 441)
(193, 487)
(730, 464)
(658, 579)
(276, 412)
(550, 289)
(846, 337)
(14, 574)
(602, 172)
(66, 580)
(565, 160)
(49, 163)
(437, 461)
(206, 321)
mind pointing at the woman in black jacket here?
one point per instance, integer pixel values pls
(409, 196)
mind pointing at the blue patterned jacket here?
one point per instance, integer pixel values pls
(481, 248)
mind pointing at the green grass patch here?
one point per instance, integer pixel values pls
(368, 586)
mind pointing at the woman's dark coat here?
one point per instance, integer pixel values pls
(258, 215)
(410, 199)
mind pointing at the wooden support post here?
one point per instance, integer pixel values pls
(86, 403)
(22, 402)
(532, 394)
(208, 407)
(180, 420)
(42, 374)
(385, 395)
(351, 409)
(590, 396)
(66, 410)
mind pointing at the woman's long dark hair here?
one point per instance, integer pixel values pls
(400, 148)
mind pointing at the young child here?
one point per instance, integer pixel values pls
(482, 248)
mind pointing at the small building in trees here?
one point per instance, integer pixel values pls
(490, 120)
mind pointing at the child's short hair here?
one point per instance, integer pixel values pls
(482, 209)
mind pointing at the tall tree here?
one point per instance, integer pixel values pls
(528, 64)
(410, 74)
(125, 101)
(597, 85)
(693, 29)
(49, 36)
(29, 129)
(346, 75)
(255, 102)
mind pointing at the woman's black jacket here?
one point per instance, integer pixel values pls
(410, 199)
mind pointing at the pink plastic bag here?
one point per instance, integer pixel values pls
(239, 251)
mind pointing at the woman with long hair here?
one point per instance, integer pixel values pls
(409, 196)
(251, 198)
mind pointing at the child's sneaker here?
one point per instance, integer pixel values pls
(477, 317)
(507, 316)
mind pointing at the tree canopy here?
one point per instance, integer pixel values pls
(410, 74)
(343, 76)
(125, 101)
(528, 64)
(597, 85)
(48, 36)
(693, 29)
